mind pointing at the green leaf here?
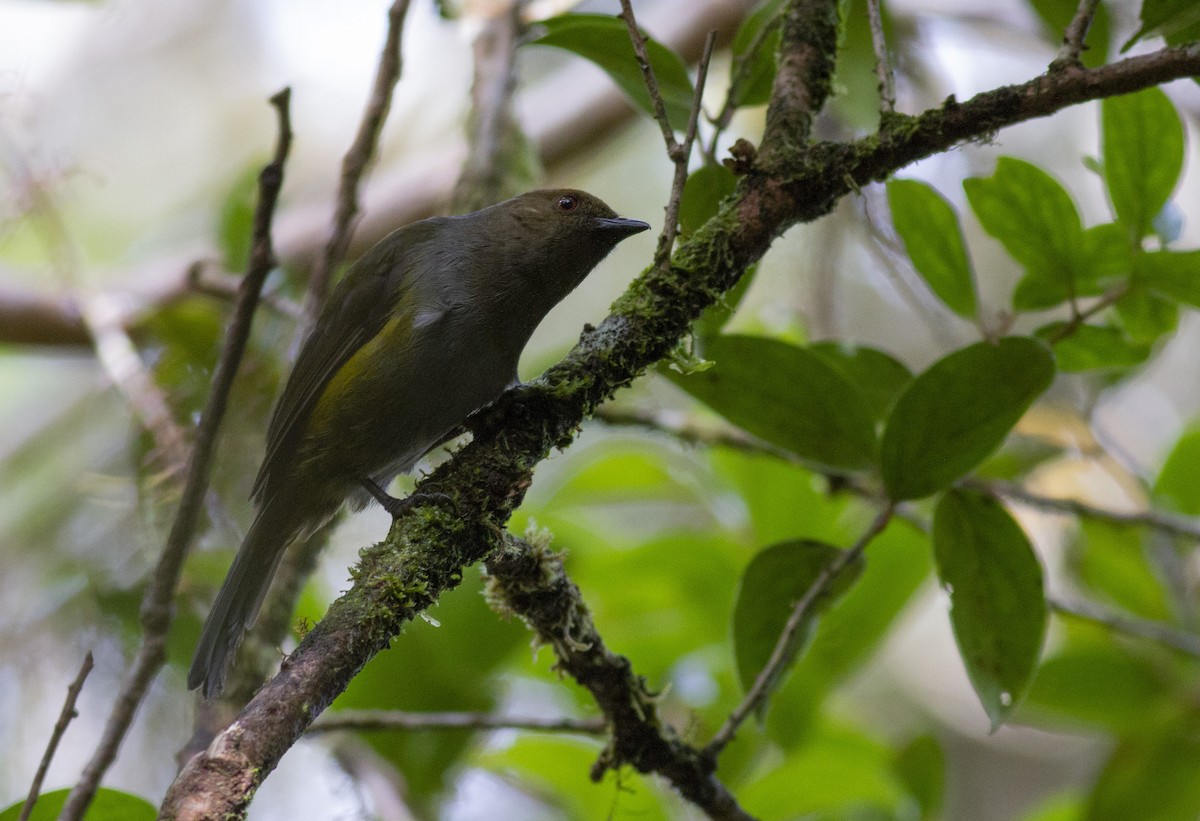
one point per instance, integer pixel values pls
(1057, 15)
(1035, 219)
(928, 225)
(1178, 21)
(108, 805)
(717, 316)
(788, 396)
(1176, 485)
(877, 375)
(702, 194)
(958, 411)
(921, 765)
(1151, 776)
(997, 606)
(605, 41)
(1092, 347)
(1146, 316)
(772, 583)
(752, 72)
(1143, 156)
(1097, 685)
(1175, 274)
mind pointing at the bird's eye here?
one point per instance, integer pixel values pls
(567, 203)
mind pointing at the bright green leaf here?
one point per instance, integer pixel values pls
(1092, 347)
(877, 375)
(702, 193)
(788, 396)
(1176, 485)
(717, 316)
(604, 40)
(108, 805)
(772, 583)
(929, 227)
(997, 605)
(753, 71)
(1035, 219)
(958, 411)
(1097, 685)
(1145, 316)
(1143, 156)
(1175, 274)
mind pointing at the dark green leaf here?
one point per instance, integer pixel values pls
(717, 316)
(997, 606)
(1151, 776)
(879, 377)
(921, 765)
(702, 193)
(1092, 347)
(958, 411)
(853, 628)
(1177, 21)
(772, 583)
(108, 805)
(753, 71)
(1035, 219)
(1143, 156)
(1098, 685)
(1057, 14)
(1176, 485)
(605, 41)
(788, 396)
(932, 235)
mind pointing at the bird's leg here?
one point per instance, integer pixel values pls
(398, 507)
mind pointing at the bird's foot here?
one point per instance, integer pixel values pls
(398, 507)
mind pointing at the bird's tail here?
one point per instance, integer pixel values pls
(241, 596)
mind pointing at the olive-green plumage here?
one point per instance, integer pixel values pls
(424, 329)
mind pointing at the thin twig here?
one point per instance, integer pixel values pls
(740, 73)
(354, 167)
(156, 612)
(401, 720)
(1185, 526)
(761, 688)
(656, 98)
(883, 66)
(678, 153)
(203, 279)
(1073, 37)
(60, 727)
(662, 255)
(1154, 631)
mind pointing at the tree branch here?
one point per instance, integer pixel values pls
(156, 611)
(1073, 37)
(402, 720)
(60, 727)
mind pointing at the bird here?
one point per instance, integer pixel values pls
(424, 329)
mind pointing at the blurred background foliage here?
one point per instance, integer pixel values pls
(130, 136)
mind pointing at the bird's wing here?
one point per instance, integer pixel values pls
(358, 309)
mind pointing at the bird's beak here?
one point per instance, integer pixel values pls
(621, 226)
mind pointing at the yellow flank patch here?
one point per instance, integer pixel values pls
(388, 342)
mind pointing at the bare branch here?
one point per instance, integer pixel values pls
(761, 689)
(1163, 634)
(401, 720)
(354, 166)
(1073, 37)
(156, 612)
(883, 66)
(60, 727)
(496, 144)
(656, 99)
